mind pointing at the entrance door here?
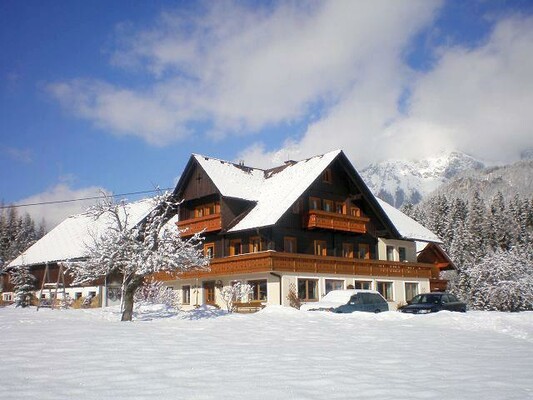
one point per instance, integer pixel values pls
(209, 292)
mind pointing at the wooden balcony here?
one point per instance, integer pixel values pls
(335, 221)
(272, 261)
(209, 223)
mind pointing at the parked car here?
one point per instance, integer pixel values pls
(433, 302)
(348, 301)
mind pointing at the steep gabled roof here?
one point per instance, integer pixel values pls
(279, 190)
(69, 239)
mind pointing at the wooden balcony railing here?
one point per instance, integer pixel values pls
(272, 261)
(335, 221)
(209, 223)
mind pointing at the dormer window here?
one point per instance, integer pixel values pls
(326, 176)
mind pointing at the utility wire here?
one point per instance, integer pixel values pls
(44, 203)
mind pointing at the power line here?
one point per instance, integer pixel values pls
(44, 203)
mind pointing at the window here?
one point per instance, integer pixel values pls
(235, 247)
(340, 208)
(77, 295)
(347, 250)
(186, 294)
(259, 290)
(289, 244)
(314, 203)
(326, 175)
(364, 251)
(308, 289)
(355, 212)
(7, 296)
(366, 285)
(385, 289)
(209, 250)
(390, 253)
(320, 248)
(402, 252)
(411, 290)
(328, 205)
(334, 284)
(255, 244)
(209, 292)
(207, 209)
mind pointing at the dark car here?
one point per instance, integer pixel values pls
(433, 302)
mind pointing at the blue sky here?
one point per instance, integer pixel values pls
(115, 96)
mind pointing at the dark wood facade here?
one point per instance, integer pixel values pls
(334, 218)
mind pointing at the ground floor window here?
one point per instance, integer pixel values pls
(385, 289)
(6, 296)
(366, 285)
(186, 294)
(259, 290)
(411, 290)
(209, 292)
(308, 289)
(334, 284)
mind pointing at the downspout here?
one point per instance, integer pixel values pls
(280, 287)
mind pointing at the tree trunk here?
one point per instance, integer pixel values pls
(129, 291)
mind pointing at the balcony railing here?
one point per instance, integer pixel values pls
(272, 261)
(335, 221)
(209, 223)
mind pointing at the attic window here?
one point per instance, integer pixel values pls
(326, 175)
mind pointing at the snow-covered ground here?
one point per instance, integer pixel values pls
(278, 353)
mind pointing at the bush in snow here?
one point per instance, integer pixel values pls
(23, 284)
(156, 292)
(236, 292)
(502, 281)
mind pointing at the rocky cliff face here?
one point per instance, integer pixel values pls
(399, 181)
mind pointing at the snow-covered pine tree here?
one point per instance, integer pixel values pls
(136, 252)
(503, 281)
(24, 284)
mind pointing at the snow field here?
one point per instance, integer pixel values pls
(278, 353)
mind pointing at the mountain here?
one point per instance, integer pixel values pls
(400, 181)
(510, 180)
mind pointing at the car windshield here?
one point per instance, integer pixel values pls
(426, 299)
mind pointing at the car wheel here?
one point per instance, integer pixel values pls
(377, 311)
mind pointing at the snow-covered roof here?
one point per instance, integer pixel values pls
(232, 180)
(69, 239)
(273, 191)
(406, 226)
(279, 191)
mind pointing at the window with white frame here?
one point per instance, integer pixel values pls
(334, 284)
(366, 285)
(411, 290)
(390, 253)
(385, 289)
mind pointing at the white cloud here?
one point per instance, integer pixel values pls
(241, 69)
(477, 100)
(53, 214)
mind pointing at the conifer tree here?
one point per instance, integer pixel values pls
(23, 282)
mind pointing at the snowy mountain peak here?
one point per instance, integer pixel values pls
(402, 181)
